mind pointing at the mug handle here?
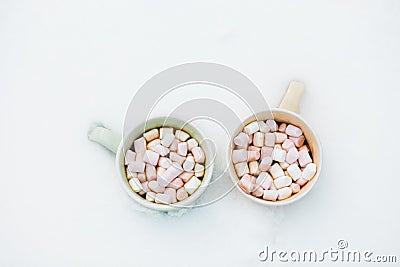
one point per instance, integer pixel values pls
(105, 137)
(291, 99)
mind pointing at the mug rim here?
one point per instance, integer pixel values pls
(120, 163)
(301, 193)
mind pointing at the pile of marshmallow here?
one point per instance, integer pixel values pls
(272, 160)
(165, 165)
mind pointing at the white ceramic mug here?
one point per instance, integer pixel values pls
(287, 112)
(113, 142)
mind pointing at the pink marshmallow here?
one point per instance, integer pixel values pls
(304, 158)
(292, 155)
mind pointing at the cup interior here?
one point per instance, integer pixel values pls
(157, 123)
(282, 115)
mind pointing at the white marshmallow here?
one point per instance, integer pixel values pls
(293, 131)
(271, 195)
(155, 187)
(171, 173)
(294, 172)
(265, 164)
(163, 199)
(279, 155)
(258, 139)
(284, 193)
(266, 152)
(241, 168)
(192, 185)
(241, 140)
(160, 149)
(188, 164)
(276, 171)
(263, 127)
(181, 135)
(239, 155)
(192, 143)
(198, 170)
(175, 157)
(135, 184)
(251, 128)
(151, 135)
(164, 131)
(172, 193)
(309, 171)
(181, 194)
(273, 126)
(282, 181)
(174, 145)
(198, 154)
(292, 155)
(150, 196)
(270, 139)
(130, 157)
(253, 168)
(151, 157)
(151, 173)
(280, 137)
(182, 149)
(140, 145)
(167, 139)
(264, 180)
(164, 162)
(284, 165)
(136, 166)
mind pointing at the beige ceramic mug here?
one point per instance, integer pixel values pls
(287, 112)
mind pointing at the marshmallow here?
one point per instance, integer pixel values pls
(253, 155)
(167, 139)
(172, 193)
(284, 165)
(192, 185)
(282, 127)
(271, 195)
(253, 168)
(198, 154)
(160, 170)
(198, 170)
(270, 139)
(239, 155)
(142, 177)
(191, 143)
(181, 135)
(266, 152)
(135, 184)
(265, 164)
(301, 181)
(163, 199)
(145, 187)
(136, 166)
(293, 131)
(174, 145)
(151, 173)
(241, 168)
(282, 181)
(175, 157)
(284, 193)
(246, 183)
(263, 127)
(258, 139)
(257, 191)
(176, 183)
(164, 162)
(298, 141)
(171, 173)
(264, 180)
(188, 164)
(181, 194)
(304, 158)
(287, 144)
(164, 131)
(309, 171)
(185, 176)
(130, 157)
(280, 137)
(182, 149)
(150, 196)
(251, 128)
(241, 140)
(160, 149)
(294, 172)
(151, 157)
(295, 188)
(272, 125)
(155, 187)
(276, 171)
(151, 135)
(139, 145)
(292, 155)
(279, 155)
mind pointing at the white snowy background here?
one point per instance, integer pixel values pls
(67, 64)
